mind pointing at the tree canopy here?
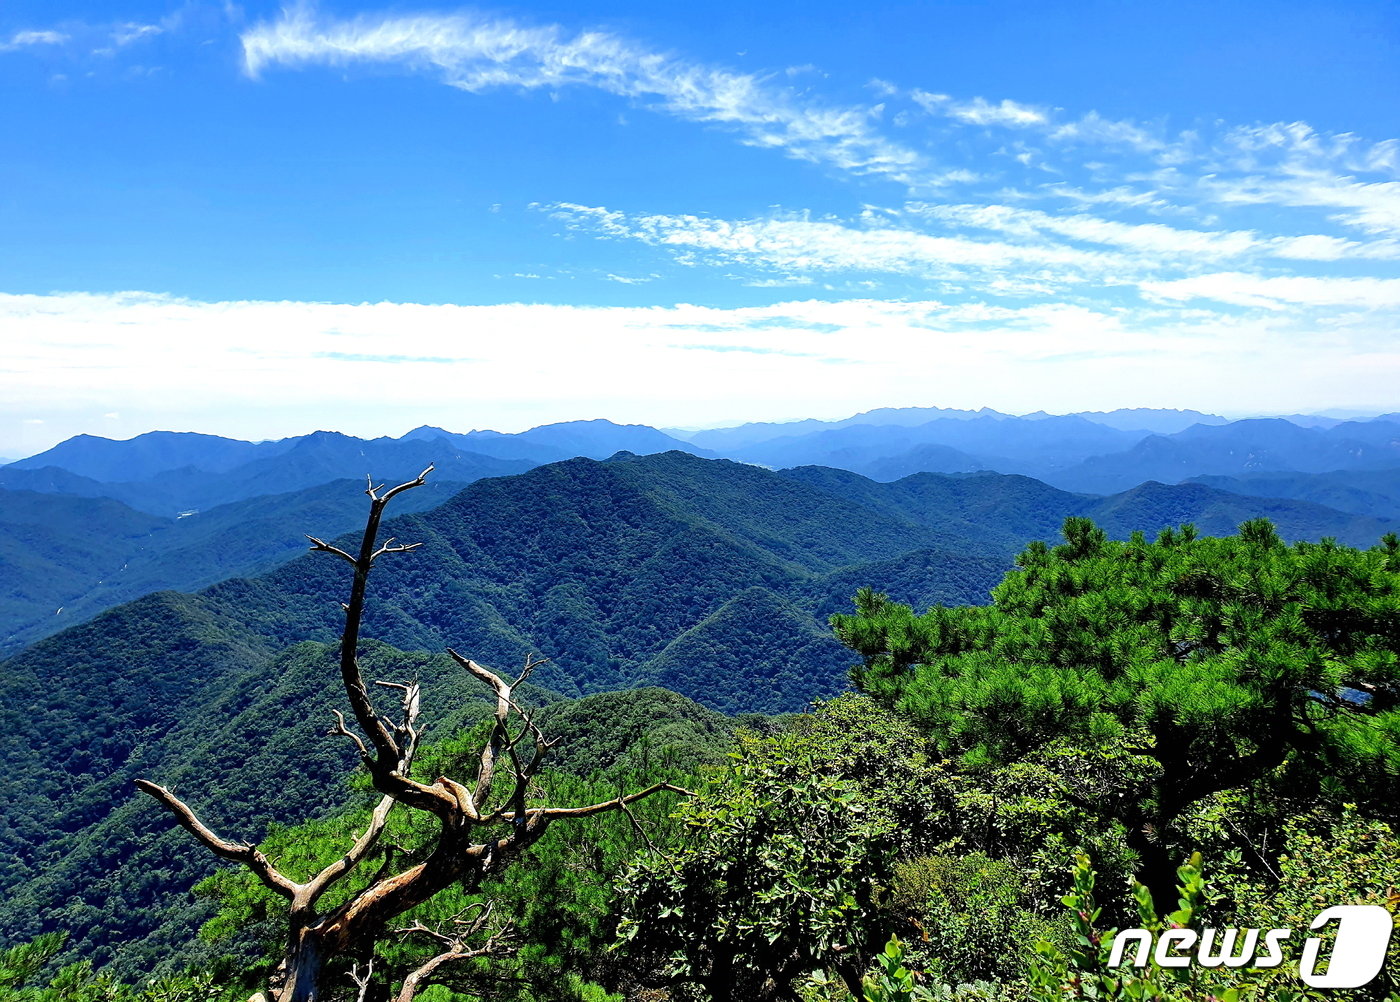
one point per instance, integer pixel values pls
(1226, 659)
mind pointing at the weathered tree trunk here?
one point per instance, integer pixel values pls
(305, 967)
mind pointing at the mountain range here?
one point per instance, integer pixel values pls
(169, 510)
(196, 644)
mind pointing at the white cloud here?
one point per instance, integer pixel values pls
(1040, 254)
(27, 39)
(980, 111)
(478, 53)
(1095, 130)
(1156, 241)
(258, 369)
(1370, 206)
(1278, 293)
(798, 245)
(130, 32)
(1110, 164)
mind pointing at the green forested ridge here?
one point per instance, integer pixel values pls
(55, 548)
(254, 753)
(64, 559)
(1003, 511)
(709, 576)
(1127, 702)
(1362, 492)
(750, 655)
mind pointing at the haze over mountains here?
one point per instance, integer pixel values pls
(159, 614)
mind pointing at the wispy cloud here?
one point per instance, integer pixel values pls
(29, 39)
(798, 245)
(130, 32)
(1039, 253)
(980, 111)
(1280, 293)
(478, 53)
(931, 142)
(1157, 240)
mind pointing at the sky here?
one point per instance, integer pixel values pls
(259, 220)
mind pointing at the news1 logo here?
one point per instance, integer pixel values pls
(1357, 955)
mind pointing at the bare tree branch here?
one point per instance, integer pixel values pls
(455, 951)
(638, 826)
(362, 981)
(531, 663)
(388, 548)
(248, 855)
(321, 546)
(606, 805)
(341, 730)
(322, 882)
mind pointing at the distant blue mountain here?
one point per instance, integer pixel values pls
(725, 441)
(1100, 452)
(293, 464)
(1159, 421)
(145, 456)
(547, 443)
(1242, 447)
(946, 445)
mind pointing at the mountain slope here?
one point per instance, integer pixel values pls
(783, 649)
(64, 559)
(1362, 492)
(53, 549)
(711, 576)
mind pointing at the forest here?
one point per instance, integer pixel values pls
(1187, 732)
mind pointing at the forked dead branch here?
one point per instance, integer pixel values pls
(481, 827)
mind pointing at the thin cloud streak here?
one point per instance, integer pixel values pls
(478, 53)
(29, 39)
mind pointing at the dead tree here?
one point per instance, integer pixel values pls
(482, 826)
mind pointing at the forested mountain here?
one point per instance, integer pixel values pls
(246, 744)
(710, 577)
(726, 440)
(60, 567)
(1158, 420)
(990, 509)
(167, 473)
(66, 558)
(53, 548)
(1363, 492)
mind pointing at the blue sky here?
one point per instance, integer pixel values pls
(258, 220)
